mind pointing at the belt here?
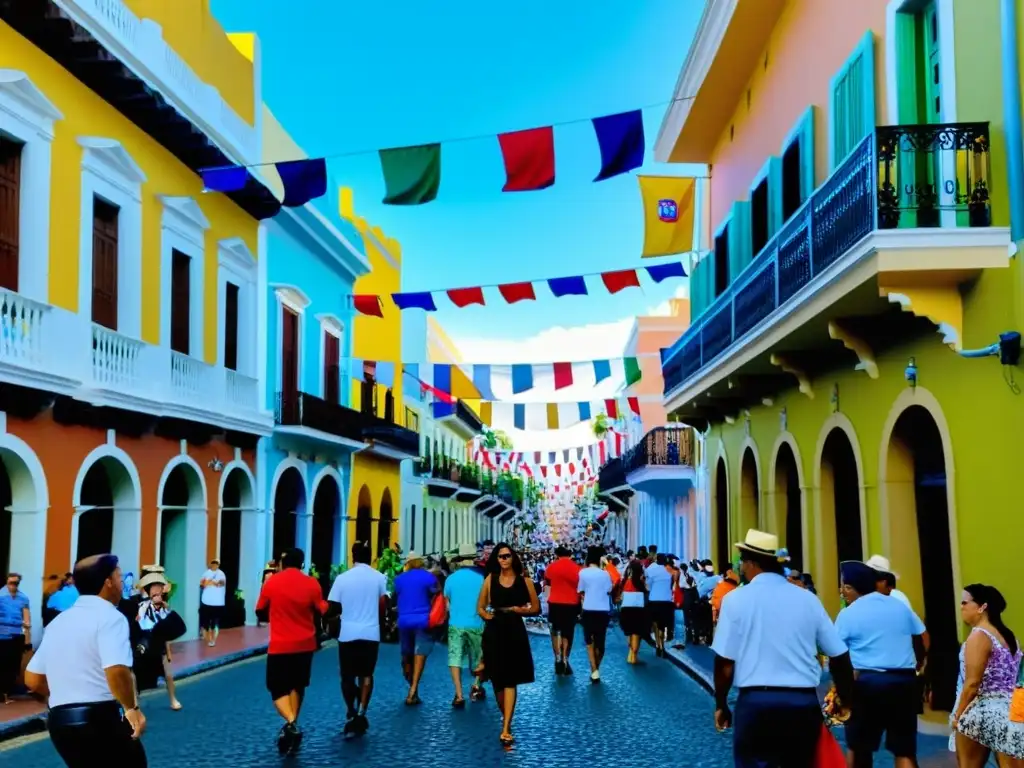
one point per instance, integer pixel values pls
(893, 672)
(777, 689)
(88, 713)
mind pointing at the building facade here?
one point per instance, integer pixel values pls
(859, 296)
(314, 258)
(126, 416)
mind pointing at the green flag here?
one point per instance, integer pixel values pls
(412, 175)
(632, 366)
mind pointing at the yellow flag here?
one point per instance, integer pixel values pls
(552, 415)
(668, 214)
(485, 412)
(462, 387)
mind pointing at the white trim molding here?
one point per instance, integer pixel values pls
(27, 116)
(291, 296)
(183, 228)
(110, 173)
(236, 264)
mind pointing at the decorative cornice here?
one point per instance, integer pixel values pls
(233, 252)
(19, 88)
(187, 209)
(108, 156)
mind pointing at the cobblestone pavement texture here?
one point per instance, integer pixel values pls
(228, 719)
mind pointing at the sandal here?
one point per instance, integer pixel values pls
(458, 702)
(413, 701)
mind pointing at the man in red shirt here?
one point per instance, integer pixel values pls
(563, 576)
(294, 602)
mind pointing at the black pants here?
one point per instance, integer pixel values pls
(776, 728)
(87, 735)
(12, 649)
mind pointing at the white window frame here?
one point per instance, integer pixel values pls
(109, 172)
(183, 228)
(296, 300)
(27, 116)
(331, 324)
(237, 264)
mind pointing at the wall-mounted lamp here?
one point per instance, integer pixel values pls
(910, 372)
(215, 464)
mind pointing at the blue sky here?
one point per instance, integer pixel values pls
(349, 76)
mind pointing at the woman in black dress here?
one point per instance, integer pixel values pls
(506, 644)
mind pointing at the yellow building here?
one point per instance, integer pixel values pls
(128, 418)
(375, 491)
(844, 356)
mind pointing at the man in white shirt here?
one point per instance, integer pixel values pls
(359, 597)
(211, 601)
(660, 604)
(767, 642)
(84, 668)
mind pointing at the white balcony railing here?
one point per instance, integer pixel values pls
(43, 346)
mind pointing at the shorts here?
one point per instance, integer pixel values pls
(415, 642)
(463, 644)
(663, 613)
(358, 658)
(563, 618)
(287, 672)
(209, 616)
(884, 702)
(595, 627)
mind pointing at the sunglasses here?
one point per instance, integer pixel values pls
(505, 556)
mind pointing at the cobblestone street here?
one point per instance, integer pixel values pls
(652, 710)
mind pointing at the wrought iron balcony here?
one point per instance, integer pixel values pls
(611, 475)
(906, 176)
(390, 439)
(299, 409)
(661, 447)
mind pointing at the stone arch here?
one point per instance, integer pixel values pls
(181, 531)
(826, 558)
(750, 487)
(113, 498)
(247, 500)
(237, 534)
(781, 502)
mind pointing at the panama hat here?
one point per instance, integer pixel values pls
(881, 564)
(150, 579)
(412, 556)
(760, 543)
(152, 569)
(467, 551)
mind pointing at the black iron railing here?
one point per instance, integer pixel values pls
(662, 446)
(611, 475)
(899, 176)
(300, 409)
(395, 435)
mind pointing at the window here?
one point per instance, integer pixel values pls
(231, 326)
(796, 168)
(181, 291)
(412, 421)
(332, 361)
(721, 256)
(389, 406)
(368, 395)
(10, 212)
(760, 225)
(289, 354)
(104, 263)
(853, 101)
(792, 193)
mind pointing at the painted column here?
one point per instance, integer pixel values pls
(28, 553)
(1012, 116)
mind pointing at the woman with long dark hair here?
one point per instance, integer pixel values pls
(633, 617)
(989, 661)
(506, 645)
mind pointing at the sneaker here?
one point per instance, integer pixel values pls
(567, 670)
(211, 644)
(362, 725)
(458, 703)
(350, 725)
(595, 677)
(477, 693)
(296, 739)
(285, 737)
(559, 667)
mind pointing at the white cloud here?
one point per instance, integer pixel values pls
(584, 342)
(664, 309)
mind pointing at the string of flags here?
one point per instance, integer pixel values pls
(412, 174)
(572, 285)
(580, 463)
(537, 417)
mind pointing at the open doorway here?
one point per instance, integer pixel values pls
(364, 516)
(840, 512)
(724, 549)
(326, 499)
(289, 503)
(384, 524)
(787, 496)
(750, 493)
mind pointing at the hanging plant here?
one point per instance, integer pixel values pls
(600, 425)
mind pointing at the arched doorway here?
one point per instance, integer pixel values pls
(840, 511)
(236, 501)
(724, 548)
(109, 512)
(788, 502)
(919, 518)
(384, 524)
(750, 493)
(24, 500)
(289, 503)
(182, 535)
(364, 516)
(326, 499)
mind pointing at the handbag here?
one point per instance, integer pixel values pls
(828, 753)
(438, 612)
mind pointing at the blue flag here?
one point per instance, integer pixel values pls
(621, 138)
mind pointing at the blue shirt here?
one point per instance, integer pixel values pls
(462, 589)
(878, 630)
(11, 614)
(63, 598)
(659, 584)
(414, 589)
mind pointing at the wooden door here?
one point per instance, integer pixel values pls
(289, 355)
(181, 296)
(10, 211)
(104, 263)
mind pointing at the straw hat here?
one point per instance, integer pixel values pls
(413, 556)
(467, 551)
(760, 543)
(151, 578)
(881, 564)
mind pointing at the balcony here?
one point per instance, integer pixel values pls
(612, 485)
(389, 440)
(874, 258)
(301, 415)
(47, 348)
(661, 464)
(459, 418)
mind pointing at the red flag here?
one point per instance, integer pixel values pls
(620, 280)
(618, 444)
(368, 304)
(558, 470)
(602, 453)
(543, 470)
(513, 292)
(572, 468)
(440, 395)
(463, 297)
(563, 375)
(634, 404)
(529, 159)
(612, 408)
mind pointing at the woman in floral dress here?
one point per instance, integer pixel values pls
(989, 660)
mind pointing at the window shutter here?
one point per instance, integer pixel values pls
(10, 212)
(289, 354)
(697, 289)
(181, 299)
(739, 239)
(853, 100)
(774, 196)
(331, 371)
(104, 264)
(806, 139)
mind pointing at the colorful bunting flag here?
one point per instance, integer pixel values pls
(303, 180)
(660, 272)
(412, 175)
(634, 404)
(612, 408)
(632, 368)
(529, 159)
(620, 280)
(563, 375)
(482, 381)
(463, 297)
(668, 214)
(423, 300)
(519, 415)
(368, 304)
(513, 292)
(228, 179)
(602, 370)
(522, 378)
(621, 139)
(568, 286)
